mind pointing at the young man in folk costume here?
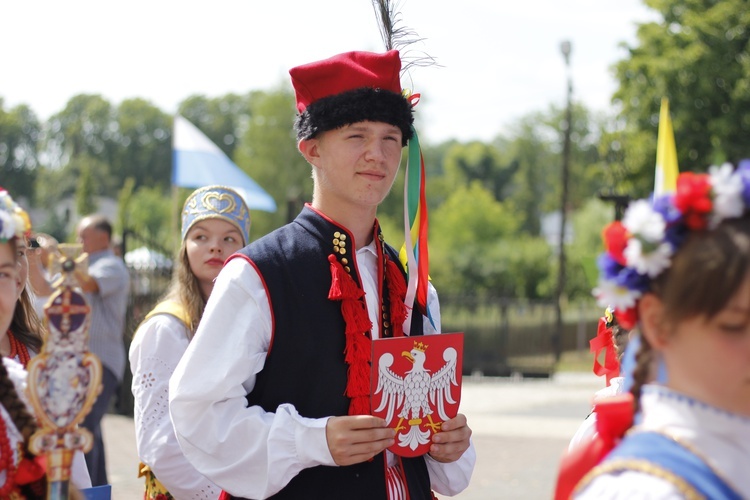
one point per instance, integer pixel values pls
(272, 396)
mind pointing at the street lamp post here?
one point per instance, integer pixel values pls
(565, 48)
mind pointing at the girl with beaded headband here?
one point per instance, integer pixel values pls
(679, 268)
(215, 224)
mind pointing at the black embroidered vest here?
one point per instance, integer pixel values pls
(305, 365)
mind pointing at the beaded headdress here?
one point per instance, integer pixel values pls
(14, 221)
(216, 202)
(640, 248)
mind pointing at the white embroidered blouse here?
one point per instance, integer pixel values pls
(157, 347)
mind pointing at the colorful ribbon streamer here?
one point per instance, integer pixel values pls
(415, 231)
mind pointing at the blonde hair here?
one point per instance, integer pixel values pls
(185, 290)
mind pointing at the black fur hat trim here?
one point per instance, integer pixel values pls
(362, 104)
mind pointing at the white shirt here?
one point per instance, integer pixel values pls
(247, 451)
(721, 438)
(157, 347)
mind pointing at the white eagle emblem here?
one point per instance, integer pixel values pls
(413, 395)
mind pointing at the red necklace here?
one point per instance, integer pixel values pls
(17, 348)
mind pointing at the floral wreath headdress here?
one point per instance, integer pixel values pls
(641, 247)
(14, 221)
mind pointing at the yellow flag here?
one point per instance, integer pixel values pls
(665, 178)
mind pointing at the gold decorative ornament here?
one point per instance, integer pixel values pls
(65, 378)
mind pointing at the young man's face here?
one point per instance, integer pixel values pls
(355, 165)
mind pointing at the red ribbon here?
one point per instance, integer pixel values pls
(31, 469)
(604, 342)
(413, 99)
(614, 416)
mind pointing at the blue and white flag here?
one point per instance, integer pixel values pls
(198, 162)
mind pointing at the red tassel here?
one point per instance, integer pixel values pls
(357, 350)
(359, 380)
(355, 316)
(336, 276)
(396, 295)
(343, 285)
(360, 406)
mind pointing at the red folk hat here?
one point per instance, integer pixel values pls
(349, 88)
(347, 71)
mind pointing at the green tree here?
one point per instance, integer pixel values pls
(148, 213)
(477, 161)
(85, 203)
(20, 131)
(145, 150)
(87, 126)
(223, 119)
(696, 54)
(534, 147)
(536, 161)
(588, 222)
(461, 231)
(124, 201)
(268, 153)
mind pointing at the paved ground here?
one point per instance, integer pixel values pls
(521, 428)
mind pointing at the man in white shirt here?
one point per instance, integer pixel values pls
(272, 395)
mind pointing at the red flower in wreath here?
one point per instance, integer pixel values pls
(693, 199)
(615, 240)
(627, 318)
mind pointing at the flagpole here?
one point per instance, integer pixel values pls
(175, 212)
(174, 228)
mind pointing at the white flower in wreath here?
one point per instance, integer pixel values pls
(643, 221)
(6, 202)
(610, 294)
(727, 190)
(7, 226)
(648, 259)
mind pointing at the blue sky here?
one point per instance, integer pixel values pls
(500, 59)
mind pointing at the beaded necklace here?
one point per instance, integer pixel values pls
(6, 461)
(18, 349)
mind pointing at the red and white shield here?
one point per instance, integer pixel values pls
(416, 386)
